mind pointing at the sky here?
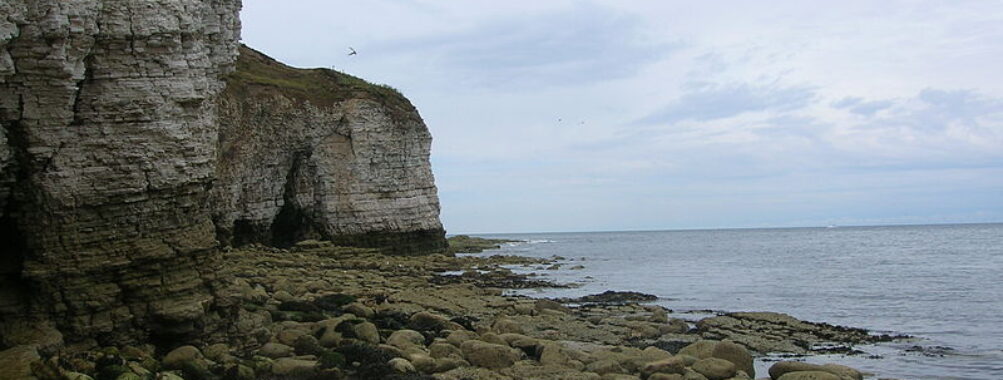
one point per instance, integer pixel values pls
(566, 115)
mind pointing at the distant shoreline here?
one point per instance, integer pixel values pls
(495, 234)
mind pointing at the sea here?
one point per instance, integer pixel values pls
(942, 284)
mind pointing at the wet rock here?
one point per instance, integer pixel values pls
(218, 353)
(448, 364)
(489, 355)
(401, 365)
(137, 369)
(700, 349)
(491, 337)
(404, 339)
(737, 355)
(168, 376)
(283, 296)
(809, 375)
(425, 321)
(329, 338)
(297, 305)
(674, 326)
(360, 310)
(333, 301)
(617, 376)
(604, 366)
(527, 370)
(288, 336)
(367, 332)
(71, 376)
(179, 357)
(238, 372)
(714, 368)
(666, 376)
(330, 359)
(556, 355)
(293, 367)
(843, 371)
(693, 375)
(524, 309)
(457, 337)
(526, 344)
(505, 325)
(276, 350)
(611, 297)
(775, 332)
(422, 362)
(307, 345)
(15, 363)
(442, 350)
(468, 373)
(670, 365)
(541, 305)
(778, 369)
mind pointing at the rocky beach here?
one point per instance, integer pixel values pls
(316, 311)
(177, 205)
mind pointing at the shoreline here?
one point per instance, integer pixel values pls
(316, 311)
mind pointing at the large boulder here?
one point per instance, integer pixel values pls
(778, 369)
(401, 365)
(276, 350)
(714, 368)
(15, 363)
(179, 357)
(366, 332)
(424, 320)
(489, 355)
(442, 350)
(293, 367)
(666, 376)
(737, 355)
(405, 339)
(671, 365)
(809, 375)
(700, 349)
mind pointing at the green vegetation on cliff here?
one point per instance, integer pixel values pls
(258, 74)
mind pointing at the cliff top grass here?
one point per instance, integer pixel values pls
(258, 75)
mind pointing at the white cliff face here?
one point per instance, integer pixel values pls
(123, 163)
(108, 117)
(340, 165)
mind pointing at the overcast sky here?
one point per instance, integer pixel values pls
(638, 115)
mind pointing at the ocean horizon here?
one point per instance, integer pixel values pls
(938, 283)
(726, 228)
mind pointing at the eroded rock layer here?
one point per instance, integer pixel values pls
(119, 183)
(319, 154)
(108, 112)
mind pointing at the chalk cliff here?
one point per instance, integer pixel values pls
(125, 166)
(313, 153)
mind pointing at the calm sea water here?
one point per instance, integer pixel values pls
(942, 284)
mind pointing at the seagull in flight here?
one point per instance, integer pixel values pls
(351, 51)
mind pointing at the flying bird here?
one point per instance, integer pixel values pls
(351, 51)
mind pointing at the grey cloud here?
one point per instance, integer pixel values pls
(959, 104)
(582, 45)
(718, 102)
(858, 106)
(934, 110)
